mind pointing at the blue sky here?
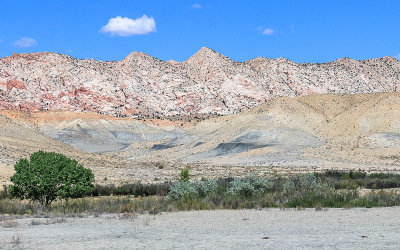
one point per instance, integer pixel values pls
(302, 31)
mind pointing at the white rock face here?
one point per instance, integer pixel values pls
(207, 82)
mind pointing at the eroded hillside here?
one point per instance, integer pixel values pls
(285, 135)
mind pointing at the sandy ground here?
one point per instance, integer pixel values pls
(360, 228)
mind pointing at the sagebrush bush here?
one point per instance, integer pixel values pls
(249, 185)
(206, 187)
(182, 189)
(302, 184)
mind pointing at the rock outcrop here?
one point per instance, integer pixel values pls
(206, 83)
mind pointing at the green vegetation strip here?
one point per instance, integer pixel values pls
(313, 190)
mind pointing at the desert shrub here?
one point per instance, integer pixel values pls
(160, 165)
(301, 184)
(242, 202)
(151, 205)
(357, 174)
(136, 189)
(100, 190)
(249, 185)
(5, 193)
(182, 189)
(48, 176)
(151, 189)
(191, 204)
(13, 206)
(374, 183)
(206, 187)
(378, 199)
(359, 179)
(331, 173)
(348, 184)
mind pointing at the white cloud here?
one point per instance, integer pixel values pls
(124, 26)
(265, 31)
(398, 56)
(25, 42)
(197, 6)
(268, 31)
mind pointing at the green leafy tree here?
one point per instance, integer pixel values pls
(48, 176)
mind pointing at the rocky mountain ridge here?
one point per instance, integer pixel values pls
(206, 83)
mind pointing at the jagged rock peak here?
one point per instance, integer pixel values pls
(345, 59)
(284, 60)
(173, 62)
(259, 59)
(137, 54)
(388, 59)
(206, 54)
(29, 56)
(36, 57)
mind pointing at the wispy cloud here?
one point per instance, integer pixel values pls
(398, 56)
(124, 26)
(25, 42)
(266, 31)
(197, 6)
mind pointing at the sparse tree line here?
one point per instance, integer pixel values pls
(53, 181)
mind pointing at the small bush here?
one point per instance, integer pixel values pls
(5, 193)
(357, 174)
(160, 165)
(206, 187)
(302, 184)
(249, 185)
(182, 189)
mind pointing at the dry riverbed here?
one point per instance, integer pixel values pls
(357, 228)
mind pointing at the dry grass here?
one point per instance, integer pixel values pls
(15, 239)
(127, 216)
(48, 221)
(146, 220)
(319, 207)
(10, 223)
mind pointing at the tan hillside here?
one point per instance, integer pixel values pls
(284, 135)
